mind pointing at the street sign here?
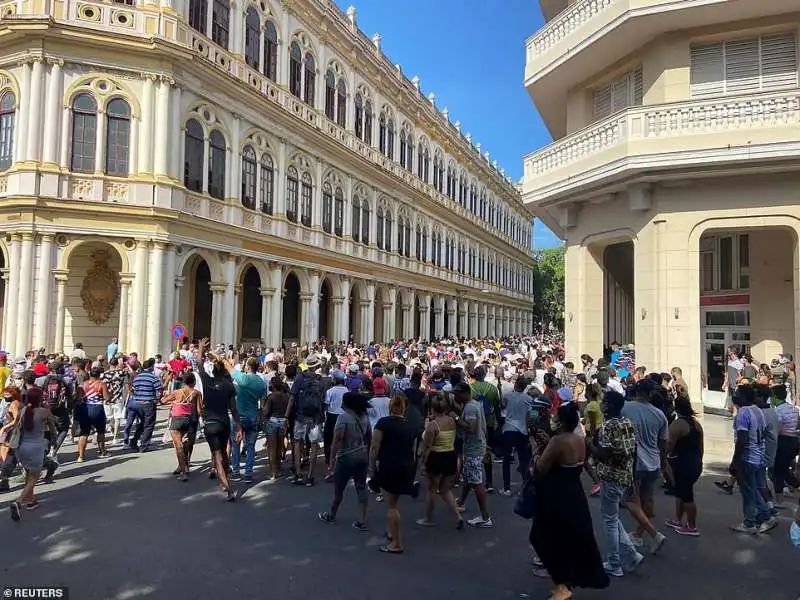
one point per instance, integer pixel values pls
(178, 331)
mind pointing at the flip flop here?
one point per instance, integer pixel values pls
(389, 550)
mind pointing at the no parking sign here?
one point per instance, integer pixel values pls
(178, 331)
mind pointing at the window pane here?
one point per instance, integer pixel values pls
(220, 22)
(726, 263)
(117, 145)
(7, 122)
(194, 147)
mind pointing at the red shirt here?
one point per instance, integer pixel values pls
(179, 365)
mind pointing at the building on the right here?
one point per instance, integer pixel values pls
(673, 177)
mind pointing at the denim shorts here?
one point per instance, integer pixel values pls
(275, 426)
(644, 486)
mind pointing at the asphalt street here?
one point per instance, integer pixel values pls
(123, 528)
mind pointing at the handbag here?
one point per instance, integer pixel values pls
(15, 436)
(525, 501)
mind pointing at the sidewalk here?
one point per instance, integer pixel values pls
(717, 442)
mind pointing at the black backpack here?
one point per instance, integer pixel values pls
(55, 392)
(311, 399)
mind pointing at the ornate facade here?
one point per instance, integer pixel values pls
(252, 170)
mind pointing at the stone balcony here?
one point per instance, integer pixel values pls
(645, 140)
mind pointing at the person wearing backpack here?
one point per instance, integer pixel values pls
(487, 395)
(307, 401)
(58, 394)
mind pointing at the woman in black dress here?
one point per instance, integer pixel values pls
(392, 466)
(562, 533)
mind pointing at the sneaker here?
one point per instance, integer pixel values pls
(595, 491)
(537, 562)
(673, 523)
(505, 493)
(635, 562)
(743, 528)
(460, 507)
(724, 486)
(612, 571)
(248, 479)
(80, 459)
(51, 469)
(32, 505)
(490, 490)
(298, 481)
(480, 523)
(309, 482)
(636, 540)
(235, 477)
(768, 525)
(326, 517)
(656, 542)
(360, 526)
(4, 487)
(686, 530)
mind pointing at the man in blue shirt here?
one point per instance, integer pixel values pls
(145, 392)
(250, 388)
(112, 349)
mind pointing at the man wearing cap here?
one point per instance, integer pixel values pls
(353, 380)
(307, 399)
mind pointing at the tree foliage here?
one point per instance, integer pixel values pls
(548, 287)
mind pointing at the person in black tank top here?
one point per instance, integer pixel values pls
(685, 452)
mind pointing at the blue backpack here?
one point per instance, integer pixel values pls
(484, 401)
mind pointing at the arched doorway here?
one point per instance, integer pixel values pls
(325, 316)
(250, 330)
(291, 309)
(202, 301)
(92, 297)
(355, 314)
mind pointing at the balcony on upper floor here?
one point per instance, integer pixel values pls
(589, 35)
(657, 142)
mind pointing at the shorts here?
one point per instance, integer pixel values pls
(90, 415)
(30, 454)
(644, 486)
(217, 435)
(685, 476)
(302, 427)
(275, 426)
(184, 425)
(396, 480)
(441, 463)
(472, 470)
(115, 411)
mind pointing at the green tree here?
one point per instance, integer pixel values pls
(548, 287)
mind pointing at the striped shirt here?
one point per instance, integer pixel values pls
(146, 387)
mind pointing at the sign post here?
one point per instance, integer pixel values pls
(178, 333)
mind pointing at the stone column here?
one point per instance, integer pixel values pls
(472, 326)
(237, 302)
(312, 318)
(146, 124)
(233, 168)
(408, 322)
(52, 115)
(10, 316)
(482, 330)
(276, 278)
(390, 316)
(462, 319)
(217, 307)
(5, 275)
(34, 124)
(139, 307)
(369, 330)
(344, 333)
(338, 303)
(25, 296)
(125, 281)
(100, 147)
(363, 320)
(267, 294)
(228, 316)
(156, 300)
(44, 293)
(305, 308)
(61, 285)
(162, 130)
(176, 300)
(21, 129)
(438, 311)
(176, 166)
(168, 307)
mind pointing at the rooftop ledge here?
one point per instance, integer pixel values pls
(740, 128)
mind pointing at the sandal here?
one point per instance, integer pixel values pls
(386, 549)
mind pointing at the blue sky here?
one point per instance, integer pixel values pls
(471, 54)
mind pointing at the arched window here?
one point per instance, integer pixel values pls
(358, 125)
(387, 231)
(267, 184)
(427, 164)
(193, 151)
(382, 134)
(197, 15)
(8, 113)
(327, 208)
(379, 227)
(424, 244)
(216, 164)
(410, 157)
(310, 79)
(365, 222)
(271, 51)
(249, 178)
(390, 139)
(408, 238)
(400, 234)
(220, 22)
(418, 253)
(295, 70)
(330, 95)
(338, 212)
(438, 250)
(307, 192)
(420, 158)
(84, 133)
(355, 223)
(440, 177)
(252, 37)
(403, 149)
(292, 192)
(118, 136)
(435, 171)
(368, 123)
(450, 182)
(341, 104)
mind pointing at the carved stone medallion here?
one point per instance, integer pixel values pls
(100, 290)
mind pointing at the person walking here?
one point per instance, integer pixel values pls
(250, 390)
(518, 407)
(685, 452)
(147, 390)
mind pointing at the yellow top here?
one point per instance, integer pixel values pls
(444, 441)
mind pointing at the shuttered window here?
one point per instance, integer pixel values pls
(744, 66)
(624, 91)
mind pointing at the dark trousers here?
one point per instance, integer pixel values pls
(144, 415)
(514, 440)
(8, 466)
(784, 457)
(327, 436)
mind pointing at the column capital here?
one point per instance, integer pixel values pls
(55, 62)
(237, 289)
(217, 287)
(266, 291)
(306, 297)
(179, 281)
(338, 300)
(126, 278)
(159, 245)
(61, 275)
(27, 236)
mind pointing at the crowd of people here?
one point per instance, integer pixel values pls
(390, 416)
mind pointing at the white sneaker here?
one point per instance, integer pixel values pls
(634, 564)
(613, 572)
(479, 522)
(636, 540)
(656, 542)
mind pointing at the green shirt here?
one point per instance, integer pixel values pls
(492, 396)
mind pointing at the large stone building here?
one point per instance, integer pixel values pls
(254, 170)
(672, 177)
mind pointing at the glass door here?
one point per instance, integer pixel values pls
(716, 342)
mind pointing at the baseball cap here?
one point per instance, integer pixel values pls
(565, 395)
